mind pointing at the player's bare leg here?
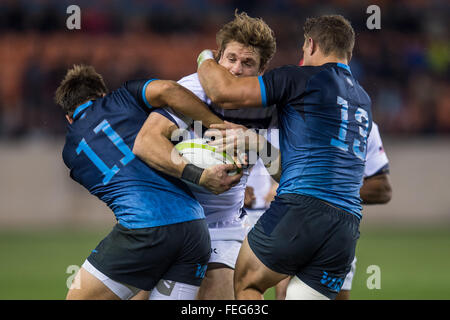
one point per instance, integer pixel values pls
(142, 295)
(252, 278)
(87, 287)
(217, 283)
(281, 288)
(343, 295)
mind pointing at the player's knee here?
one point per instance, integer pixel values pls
(217, 284)
(298, 290)
(246, 280)
(280, 289)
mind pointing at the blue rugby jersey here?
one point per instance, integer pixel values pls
(98, 152)
(324, 118)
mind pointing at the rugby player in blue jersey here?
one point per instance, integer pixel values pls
(161, 234)
(311, 228)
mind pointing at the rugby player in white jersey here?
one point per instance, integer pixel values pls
(245, 47)
(376, 189)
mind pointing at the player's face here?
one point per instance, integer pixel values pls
(240, 60)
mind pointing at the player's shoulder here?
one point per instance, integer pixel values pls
(191, 81)
(295, 72)
(363, 93)
(294, 69)
(193, 77)
(133, 93)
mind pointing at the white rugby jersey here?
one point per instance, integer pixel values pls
(261, 182)
(376, 159)
(224, 210)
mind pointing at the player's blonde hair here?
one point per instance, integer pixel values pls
(248, 31)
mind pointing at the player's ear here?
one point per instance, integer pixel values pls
(311, 46)
(69, 119)
(217, 55)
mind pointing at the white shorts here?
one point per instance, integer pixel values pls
(123, 291)
(235, 232)
(226, 243)
(164, 290)
(347, 285)
(225, 252)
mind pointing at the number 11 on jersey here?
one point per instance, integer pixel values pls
(99, 163)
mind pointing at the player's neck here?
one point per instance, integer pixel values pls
(331, 59)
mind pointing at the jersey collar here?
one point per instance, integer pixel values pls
(79, 109)
(344, 66)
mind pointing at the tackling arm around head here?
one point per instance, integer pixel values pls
(226, 90)
(162, 93)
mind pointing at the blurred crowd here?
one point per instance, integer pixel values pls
(404, 66)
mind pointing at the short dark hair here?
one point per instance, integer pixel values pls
(333, 34)
(80, 84)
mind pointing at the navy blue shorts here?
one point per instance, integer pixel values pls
(141, 257)
(307, 237)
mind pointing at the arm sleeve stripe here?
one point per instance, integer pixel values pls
(263, 91)
(143, 93)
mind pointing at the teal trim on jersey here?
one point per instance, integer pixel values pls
(143, 93)
(80, 108)
(263, 91)
(344, 66)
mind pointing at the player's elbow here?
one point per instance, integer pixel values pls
(219, 98)
(141, 144)
(385, 193)
(138, 148)
(381, 195)
(376, 190)
(165, 90)
(222, 95)
(384, 189)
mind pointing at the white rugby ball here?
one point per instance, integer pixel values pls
(200, 153)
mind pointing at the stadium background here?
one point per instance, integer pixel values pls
(48, 223)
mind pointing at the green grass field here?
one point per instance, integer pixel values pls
(414, 264)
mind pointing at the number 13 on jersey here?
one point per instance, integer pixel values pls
(362, 117)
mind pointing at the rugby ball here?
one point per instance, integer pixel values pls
(200, 153)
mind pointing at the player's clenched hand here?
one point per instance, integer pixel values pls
(217, 180)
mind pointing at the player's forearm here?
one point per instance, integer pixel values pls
(215, 79)
(376, 190)
(226, 90)
(159, 153)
